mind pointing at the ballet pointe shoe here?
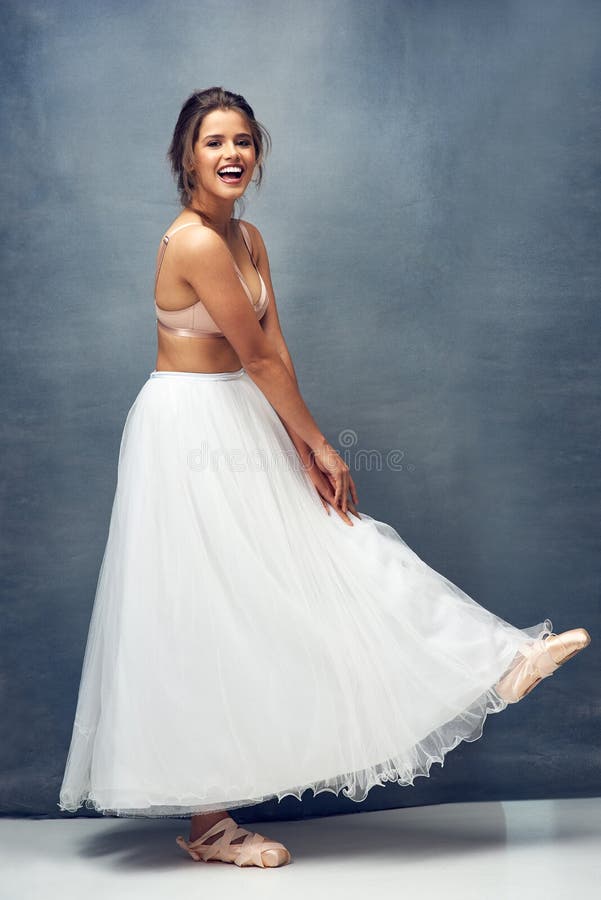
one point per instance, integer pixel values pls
(541, 658)
(254, 850)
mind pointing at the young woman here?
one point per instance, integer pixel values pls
(254, 635)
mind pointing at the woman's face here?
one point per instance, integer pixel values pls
(224, 140)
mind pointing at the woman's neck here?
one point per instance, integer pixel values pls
(217, 215)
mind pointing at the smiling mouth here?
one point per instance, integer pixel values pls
(231, 174)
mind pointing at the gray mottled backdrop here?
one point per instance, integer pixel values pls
(431, 211)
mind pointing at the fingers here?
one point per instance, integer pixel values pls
(344, 484)
(344, 513)
(349, 485)
(325, 493)
(345, 518)
(353, 490)
(354, 510)
(327, 500)
(343, 493)
(340, 484)
(338, 494)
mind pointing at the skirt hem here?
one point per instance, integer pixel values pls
(467, 727)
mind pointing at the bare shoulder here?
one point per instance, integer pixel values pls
(195, 239)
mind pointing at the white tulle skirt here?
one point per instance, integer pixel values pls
(245, 645)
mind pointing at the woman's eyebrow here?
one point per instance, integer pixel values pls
(240, 134)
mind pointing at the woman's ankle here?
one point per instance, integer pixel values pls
(201, 823)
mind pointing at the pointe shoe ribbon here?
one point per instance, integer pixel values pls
(537, 659)
(541, 658)
(248, 853)
(535, 664)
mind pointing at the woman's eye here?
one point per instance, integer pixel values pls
(244, 141)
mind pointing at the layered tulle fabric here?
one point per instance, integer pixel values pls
(245, 645)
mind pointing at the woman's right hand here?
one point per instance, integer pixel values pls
(336, 470)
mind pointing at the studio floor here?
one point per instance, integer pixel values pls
(543, 849)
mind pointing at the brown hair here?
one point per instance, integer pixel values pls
(185, 135)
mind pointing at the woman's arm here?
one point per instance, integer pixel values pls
(302, 447)
(271, 326)
(324, 483)
(205, 262)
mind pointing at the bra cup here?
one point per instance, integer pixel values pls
(197, 318)
(201, 320)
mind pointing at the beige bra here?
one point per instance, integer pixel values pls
(194, 320)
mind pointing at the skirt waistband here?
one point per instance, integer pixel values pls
(198, 376)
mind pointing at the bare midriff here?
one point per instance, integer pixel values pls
(178, 353)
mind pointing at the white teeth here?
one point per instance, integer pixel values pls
(236, 170)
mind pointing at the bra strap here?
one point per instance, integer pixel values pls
(165, 240)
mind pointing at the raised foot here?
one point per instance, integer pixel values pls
(254, 850)
(541, 658)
